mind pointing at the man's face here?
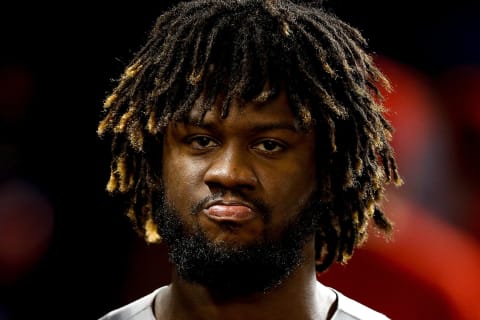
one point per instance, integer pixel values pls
(237, 186)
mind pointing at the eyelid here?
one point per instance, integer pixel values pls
(190, 140)
(279, 144)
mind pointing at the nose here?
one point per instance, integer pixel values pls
(231, 168)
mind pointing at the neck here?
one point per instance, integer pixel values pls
(299, 296)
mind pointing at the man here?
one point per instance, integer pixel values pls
(249, 136)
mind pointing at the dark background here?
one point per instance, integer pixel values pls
(64, 57)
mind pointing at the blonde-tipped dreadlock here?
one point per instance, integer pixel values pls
(251, 50)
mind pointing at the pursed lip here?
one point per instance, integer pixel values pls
(232, 210)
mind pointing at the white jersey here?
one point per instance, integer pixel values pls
(142, 309)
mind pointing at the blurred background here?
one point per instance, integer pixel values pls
(66, 250)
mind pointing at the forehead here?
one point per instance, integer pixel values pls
(277, 110)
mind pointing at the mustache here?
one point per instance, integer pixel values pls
(259, 205)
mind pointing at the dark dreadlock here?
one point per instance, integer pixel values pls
(251, 50)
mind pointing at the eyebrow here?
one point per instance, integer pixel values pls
(261, 127)
(275, 126)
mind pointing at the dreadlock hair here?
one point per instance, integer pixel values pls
(250, 50)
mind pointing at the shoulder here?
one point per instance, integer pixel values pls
(140, 309)
(349, 309)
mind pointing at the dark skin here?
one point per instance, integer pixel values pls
(259, 151)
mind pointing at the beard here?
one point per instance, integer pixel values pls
(228, 270)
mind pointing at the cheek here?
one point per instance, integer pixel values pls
(296, 185)
(181, 180)
(293, 185)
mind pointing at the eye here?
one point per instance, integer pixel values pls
(201, 142)
(269, 146)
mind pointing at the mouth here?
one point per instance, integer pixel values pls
(230, 211)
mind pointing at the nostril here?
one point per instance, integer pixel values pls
(228, 179)
(218, 188)
(215, 187)
(231, 170)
